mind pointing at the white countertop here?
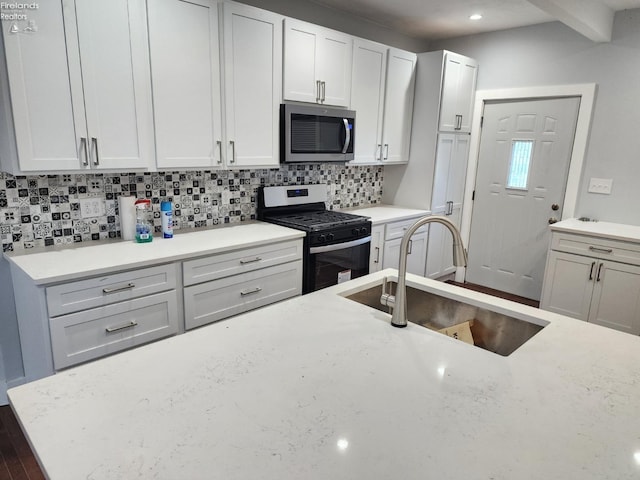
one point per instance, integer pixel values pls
(387, 213)
(321, 387)
(617, 231)
(51, 265)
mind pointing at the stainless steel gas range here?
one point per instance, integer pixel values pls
(337, 244)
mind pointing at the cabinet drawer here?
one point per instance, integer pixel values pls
(208, 302)
(94, 292)
(596, 247)
(90, 334)
(397, 229)
(240, 261)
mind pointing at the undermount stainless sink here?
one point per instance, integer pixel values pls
(491, 331)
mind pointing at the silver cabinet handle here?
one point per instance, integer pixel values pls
(244, 293)
(94, 142)
(410, 246)
(449, 210)
(219, 144)
(128, 286)
(131, 324)
(85, 147)
(378, 155)
(458, 122)
(386, 151)
(233, 151)
(601, 250)
(347, 135)
(593, 264)
(377, 260)
(318, 97)
(599, 270)
(253, 260)
(324, 91)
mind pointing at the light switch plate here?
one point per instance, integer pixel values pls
(600, 185)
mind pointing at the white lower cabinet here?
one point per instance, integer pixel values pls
(593, 287)
(417, 252)
(218, 299)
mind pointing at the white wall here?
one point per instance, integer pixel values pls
(344, 22)
(553, 54)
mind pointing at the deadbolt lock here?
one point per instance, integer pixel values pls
(555, 207)
(552, 220)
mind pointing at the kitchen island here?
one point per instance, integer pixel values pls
(322, 387)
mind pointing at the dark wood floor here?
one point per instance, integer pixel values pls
(16, 459)
(18, 463)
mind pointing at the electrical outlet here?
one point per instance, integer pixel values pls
(92, 207)
(600, 185)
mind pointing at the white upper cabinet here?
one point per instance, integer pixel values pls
(79, 88)
(185, 67)
(398, 106)
(317, 64)
(383, 81)
(458, 93)
(253, 86)
(226, 114)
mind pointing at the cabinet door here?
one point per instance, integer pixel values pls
(300, 62)
(398, 106)
(183, 40)
(458, 93)
(112, 39)
(616, 297)
(335, 51)
(568, 284)
(367, 96)
(253, 83)
(415, 259)
(317, 64)
(377, 247)
(47, 107)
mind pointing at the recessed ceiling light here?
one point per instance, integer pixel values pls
(475, 16)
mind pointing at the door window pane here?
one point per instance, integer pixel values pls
(521, 151)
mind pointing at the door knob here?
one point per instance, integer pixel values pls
(555, 207)
(552, 220)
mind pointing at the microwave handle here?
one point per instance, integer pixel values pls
(347, 135)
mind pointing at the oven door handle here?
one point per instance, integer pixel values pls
(347, 135)
(340, 246)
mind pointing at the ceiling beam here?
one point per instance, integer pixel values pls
(591, 18)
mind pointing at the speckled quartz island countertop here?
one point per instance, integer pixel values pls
(51, 265)
(387, 213)
(321, 387)
(616, 231)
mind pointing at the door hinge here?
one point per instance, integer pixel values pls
(481, 121)
(473, 196)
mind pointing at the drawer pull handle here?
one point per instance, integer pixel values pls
(377, 260)
(253, 260)
(244, 293)
(602, 250)
(128, 286)
(131, 324)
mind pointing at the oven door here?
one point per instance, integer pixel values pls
(332, 264)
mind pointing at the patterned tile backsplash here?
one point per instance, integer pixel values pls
(45, 210)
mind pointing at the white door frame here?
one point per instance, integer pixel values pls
(587, 94)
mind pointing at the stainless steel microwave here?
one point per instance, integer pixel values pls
(312, 133)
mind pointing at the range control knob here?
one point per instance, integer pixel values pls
(322, 238)
(363, 231)
(330, 236)
(355, 231)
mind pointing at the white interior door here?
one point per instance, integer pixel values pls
(525, 149)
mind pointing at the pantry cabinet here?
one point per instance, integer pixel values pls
(458, 88)
(79, 93)
(594, 279)
(317, 64)
(383, 82)
(448, 191)
(226, 115)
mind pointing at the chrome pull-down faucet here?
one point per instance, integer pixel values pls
(399, 301)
